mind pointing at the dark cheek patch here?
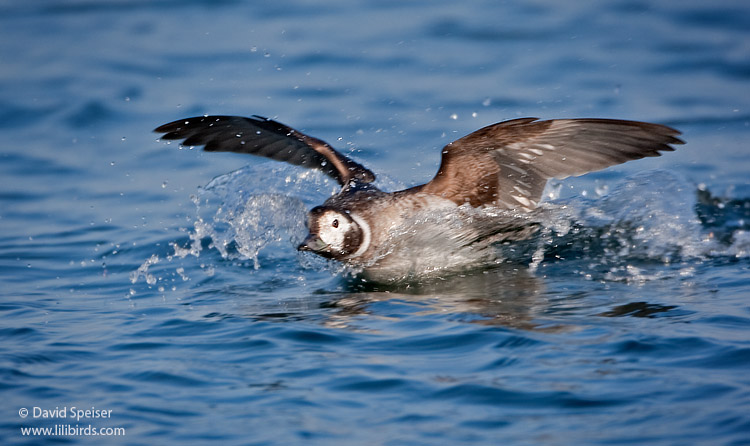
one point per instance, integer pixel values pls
(352, 240)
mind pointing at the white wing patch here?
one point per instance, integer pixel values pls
(516, 168)
(523, 200)
(536, 152)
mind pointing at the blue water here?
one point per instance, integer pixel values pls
(163, 285)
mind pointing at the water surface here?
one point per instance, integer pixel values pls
(163, 284)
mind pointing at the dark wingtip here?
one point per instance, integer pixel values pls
(675, 140)
(180, 124)
(171, 127)
(170, 135)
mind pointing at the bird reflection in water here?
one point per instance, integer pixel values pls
(508, 295)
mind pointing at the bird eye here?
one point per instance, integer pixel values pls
(335, 223)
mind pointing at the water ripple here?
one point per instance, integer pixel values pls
(488, 395)
(134, 282)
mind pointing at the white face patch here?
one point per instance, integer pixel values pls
(332, 229)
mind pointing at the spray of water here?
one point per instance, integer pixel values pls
(652, 218)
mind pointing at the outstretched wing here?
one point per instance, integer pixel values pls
(265, 137)
(508, 164)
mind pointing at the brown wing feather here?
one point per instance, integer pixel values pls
(265, 137)
(508, 164)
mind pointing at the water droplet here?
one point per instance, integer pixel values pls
(454, 116)
(601, 190)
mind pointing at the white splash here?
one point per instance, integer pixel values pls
(649, 219)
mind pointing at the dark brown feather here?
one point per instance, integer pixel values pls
(265, 137)
(508, 164)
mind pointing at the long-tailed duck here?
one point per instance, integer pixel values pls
(503, 166)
